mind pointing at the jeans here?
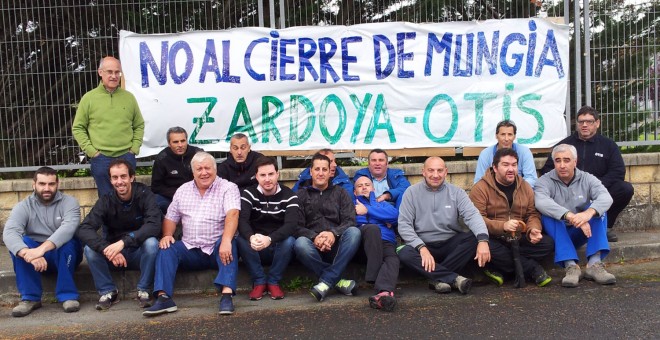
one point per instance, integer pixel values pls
(328, 266)
(569, 238)
(142, 258)
(277, 254)
(63, 261)
(178, 256)
(163, 203)
(501, 255)
(99, 168)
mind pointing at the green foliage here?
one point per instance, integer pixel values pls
(297, 283)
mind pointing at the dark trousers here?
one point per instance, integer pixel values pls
(501, 257)
(450, 256)
(621, 192)
(382, 261)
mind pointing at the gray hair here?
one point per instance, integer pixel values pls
(176, 129)
(202, 156)
(563, 148)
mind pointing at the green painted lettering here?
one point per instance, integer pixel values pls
(242, 111)
(341, 113)
(268, 121)
(295, 138)
(537, 115)
(454, 119)
(479, 100)
(381, 108)
(205, 118)
(362, 111)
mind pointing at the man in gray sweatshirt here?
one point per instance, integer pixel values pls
(39, 235)
(573, 205)
(436, 246)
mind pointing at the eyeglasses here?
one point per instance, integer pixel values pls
(588, 122)
(112, 73)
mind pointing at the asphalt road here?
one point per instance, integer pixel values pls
(629, 309)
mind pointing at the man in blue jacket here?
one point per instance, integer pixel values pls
(389, 184)
(337, 176)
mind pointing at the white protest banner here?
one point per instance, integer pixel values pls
(383, 85)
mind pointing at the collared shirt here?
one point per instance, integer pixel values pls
(380, 186)
(203, 217)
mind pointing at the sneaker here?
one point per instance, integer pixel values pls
(275, 292)
(319, 291)
(383, 300)
(598, 273)
(440, 287)
(107, 300)
(494, 276)
(257, 292)
(611, 236)
(573, 276)
(542, 279)
(71, 306)
(346, 287)
(163, 304)
(463, 284)
(144, 299)
(25, 307)
(226, 305)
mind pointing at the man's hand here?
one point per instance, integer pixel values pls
(483, 254)
(428, 262)
(360, 209)
(31, 254)
(579, 219)
(586, 229)
(511, 226)
(165, 242)
(112, 250)
(329, 240)
(225, 252)
(119, 260)
(384, 197)
(96, 154)
(535, 236)
(39, 264)
(259, 242)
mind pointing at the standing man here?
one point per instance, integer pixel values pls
(375, 220)
(240, 167)
(327, 236)
(506, 203)
(172, 167)
(436, 246)
(268, 219)
(573, 204)
(505, 133)
(108, 124)
(388, 184)
(39, 235)
(132, 224)
(338, 177)
(601, 157)
(208, 208)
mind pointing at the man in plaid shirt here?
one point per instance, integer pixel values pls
(208, 208)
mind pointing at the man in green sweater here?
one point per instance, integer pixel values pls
(108, 124)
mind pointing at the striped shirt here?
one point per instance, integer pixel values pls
(203, 217)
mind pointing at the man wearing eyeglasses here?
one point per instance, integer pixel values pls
(108, 124)
(601, 157)
(505, 133)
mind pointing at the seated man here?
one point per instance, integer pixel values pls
(239, 167)
(208, 208)
(388, 183)
(131, 221)
(436, 246)
(375, 221)
(39, 236)
(601, 157)
(505, 133)
(326, 235)
(505, 200)
(172, 167)
(268, 219)
(337, 175)
(573, 204)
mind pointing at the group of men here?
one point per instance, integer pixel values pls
(238, 208)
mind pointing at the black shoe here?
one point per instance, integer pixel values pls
(164, 304)
(611, 236)
(463, 284)
(107, 300)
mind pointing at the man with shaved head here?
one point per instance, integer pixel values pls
(436, 246)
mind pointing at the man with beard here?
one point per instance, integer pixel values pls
(39, 236)
(131, 221)
(240, 167)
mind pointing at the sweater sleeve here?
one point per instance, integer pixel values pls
(80, 125)
(407, 221)
(479, 197)
(152, 220)
(347, 211)
(543, 200)
(290, 221)
(616, 169)
(70, 221)
(138, 128)
(482, 164)
(471, 215)
(527, 165)
(302, 230)
(601, 198)
(244, 228)
(14, 229)
(399, 185)
(88, 231)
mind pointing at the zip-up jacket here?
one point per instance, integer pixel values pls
(133, 221)
(396, 180)
(329, 210)
(526, 165)
(341, 179)
(275, 216)
(380, 214)
(170, 171)
(241, 174)
(493, 205)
